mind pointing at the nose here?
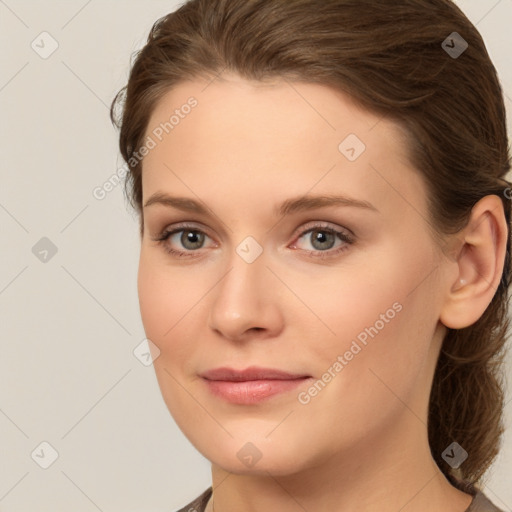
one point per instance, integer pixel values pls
(246, 301)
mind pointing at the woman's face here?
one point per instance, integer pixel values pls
(345, 293)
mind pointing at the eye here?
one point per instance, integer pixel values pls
(323, 238)
(189, 237)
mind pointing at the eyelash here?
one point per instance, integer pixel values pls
(330, 253)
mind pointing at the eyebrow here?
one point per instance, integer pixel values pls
(292, 205)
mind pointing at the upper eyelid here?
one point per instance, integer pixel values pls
(309, 226)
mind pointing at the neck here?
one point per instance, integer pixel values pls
(378, 475)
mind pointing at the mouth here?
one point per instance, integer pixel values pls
(252, 385)
(250, 374)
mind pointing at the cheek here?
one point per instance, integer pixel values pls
(378, 317)
(345, 302)
(167, 308)
(165, 300)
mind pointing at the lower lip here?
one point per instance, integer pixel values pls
(252, 391)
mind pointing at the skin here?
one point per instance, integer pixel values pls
(361, 443)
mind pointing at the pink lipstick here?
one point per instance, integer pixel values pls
(251, 385)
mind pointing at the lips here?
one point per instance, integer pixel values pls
(250, 374)
(252, 385)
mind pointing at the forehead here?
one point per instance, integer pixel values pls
(254, 109)
(280, 136)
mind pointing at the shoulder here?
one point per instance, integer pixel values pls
(199, 504)
(481, 503)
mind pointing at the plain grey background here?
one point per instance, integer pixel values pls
(69, 310)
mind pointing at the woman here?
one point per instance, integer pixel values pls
(325, 249)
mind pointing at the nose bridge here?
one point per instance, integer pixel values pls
(242, 299)
(247, 268)
(242, 283)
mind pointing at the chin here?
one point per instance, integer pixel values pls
(259, 456)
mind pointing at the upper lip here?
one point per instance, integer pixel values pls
(251, 373)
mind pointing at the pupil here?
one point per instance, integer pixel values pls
(322, 237)
(192, 237)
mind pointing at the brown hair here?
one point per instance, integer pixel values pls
(389, 57)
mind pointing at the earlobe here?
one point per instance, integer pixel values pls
(479, 265)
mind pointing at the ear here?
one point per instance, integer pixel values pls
(478, 267)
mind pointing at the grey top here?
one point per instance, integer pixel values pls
(480, 502)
